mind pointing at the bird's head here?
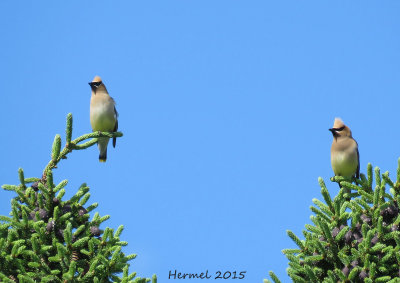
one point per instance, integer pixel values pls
(339, 129)
(96, 84)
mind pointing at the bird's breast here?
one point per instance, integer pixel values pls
(344, 163)
(102, 117)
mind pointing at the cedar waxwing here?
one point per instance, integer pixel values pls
(103, 115)
(345, 158)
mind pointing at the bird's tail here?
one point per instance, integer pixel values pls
(102, 144)
(103, 158)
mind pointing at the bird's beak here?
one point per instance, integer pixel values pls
(334, 132)
(92, 86)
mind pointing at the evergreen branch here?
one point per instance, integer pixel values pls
(378, 176)
(366, 251)
(274, 277)
(47, 239)
(21, 177)
(68, 131)
(58, 154)
(74, 145)
(295, 239)
(385, 177)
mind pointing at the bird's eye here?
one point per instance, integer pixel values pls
(97, 84)
(340, 129)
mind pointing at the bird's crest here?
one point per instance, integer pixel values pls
(338, 123)
(96, 79)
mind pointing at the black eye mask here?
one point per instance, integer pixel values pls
(338, 129)
(95, 84)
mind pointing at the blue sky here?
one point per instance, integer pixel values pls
(225, 108)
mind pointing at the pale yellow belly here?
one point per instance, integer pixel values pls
(103, 121)
(344, 164)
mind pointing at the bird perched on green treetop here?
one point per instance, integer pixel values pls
(103, 115)
(345, 158)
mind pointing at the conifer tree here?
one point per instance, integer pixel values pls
(355, 236)
(50, 239)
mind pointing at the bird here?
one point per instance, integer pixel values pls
(103, 115)
(345, 158)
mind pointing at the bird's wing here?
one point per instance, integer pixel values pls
(116, 126)
(358, 166)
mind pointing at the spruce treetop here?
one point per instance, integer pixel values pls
(355, 236)
(48, 238)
